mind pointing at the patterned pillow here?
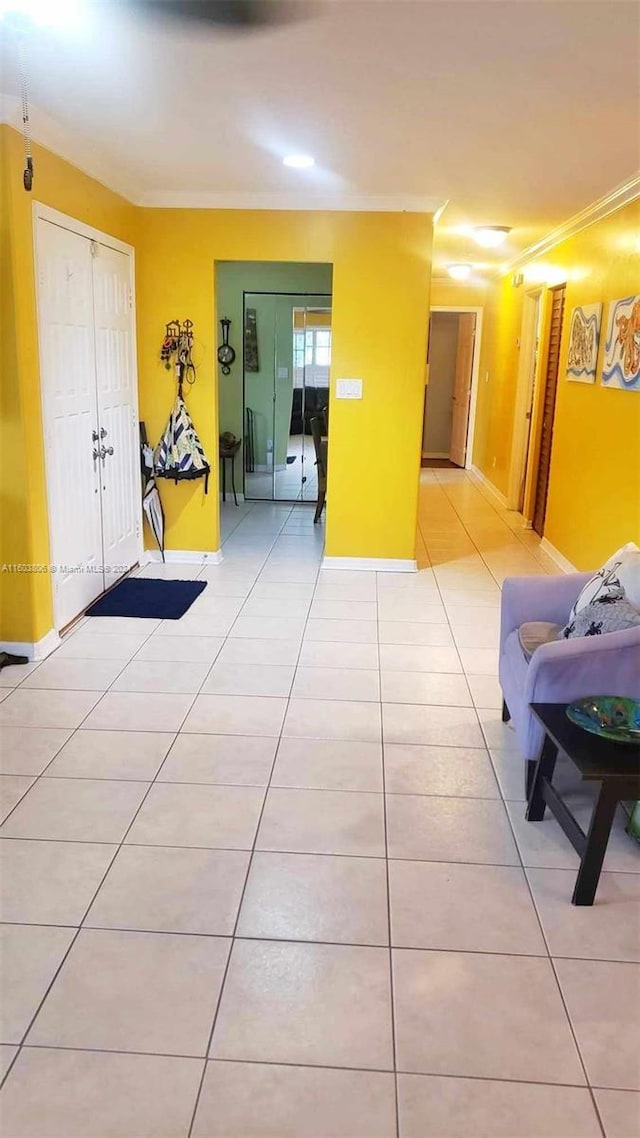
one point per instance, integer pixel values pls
(619, 576)
(606, 614)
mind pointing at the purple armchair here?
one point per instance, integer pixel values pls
(560, 671)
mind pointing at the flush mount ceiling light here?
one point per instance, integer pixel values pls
(490, 236)
(459, 272)
(299, 161)
(22, 14)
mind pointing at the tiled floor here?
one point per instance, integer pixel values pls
(286, 483)
(244, 898)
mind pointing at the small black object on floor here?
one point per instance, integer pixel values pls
(148, 597)
(291, 458)
(8, 660)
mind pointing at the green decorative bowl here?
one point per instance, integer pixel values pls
(610, 716)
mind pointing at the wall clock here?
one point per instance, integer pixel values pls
(226, 354)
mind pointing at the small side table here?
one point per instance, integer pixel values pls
(616, 766)
(229, 453)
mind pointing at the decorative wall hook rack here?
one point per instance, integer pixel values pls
(176, 347)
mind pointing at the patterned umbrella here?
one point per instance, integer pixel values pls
(152, 507)
(180, 454)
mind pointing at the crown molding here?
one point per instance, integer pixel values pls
(84, 155)
(368, 203)
(68, 144)
(620, 196)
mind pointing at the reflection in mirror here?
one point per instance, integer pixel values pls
(287, 359)
(311, 364)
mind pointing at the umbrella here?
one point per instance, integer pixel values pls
(180, 454)
(152, 507)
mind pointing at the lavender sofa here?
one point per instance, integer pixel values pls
(560, 671)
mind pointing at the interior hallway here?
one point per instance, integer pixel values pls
(266, 872)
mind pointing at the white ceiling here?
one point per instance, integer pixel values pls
(514, 112)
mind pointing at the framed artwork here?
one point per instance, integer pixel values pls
(584, 337)
(621, 367)
(251, 362)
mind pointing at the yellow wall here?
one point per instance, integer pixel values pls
(594, 495)
(380, 310)
(26, 598)
(449, 294)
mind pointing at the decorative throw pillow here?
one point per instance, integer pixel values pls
(605, 615)
(533, 633)
(619, 577)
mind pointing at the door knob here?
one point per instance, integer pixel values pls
(94, 436)
(105, 451)
(103, 432)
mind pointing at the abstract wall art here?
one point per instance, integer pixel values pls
(621, 367)
(584, 336)
(251, 362)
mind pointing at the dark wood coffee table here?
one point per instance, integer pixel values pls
(616, 766)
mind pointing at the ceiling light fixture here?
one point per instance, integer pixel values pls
(299, 161)
(459, 272)
(22, 14)
(490, 236)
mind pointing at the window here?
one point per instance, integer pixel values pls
(312, 356)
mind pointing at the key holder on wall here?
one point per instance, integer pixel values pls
(177, 346)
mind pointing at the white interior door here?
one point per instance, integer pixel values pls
(68, 381)
(117, 410)
(462, 388)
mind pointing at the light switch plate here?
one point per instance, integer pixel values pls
(348, 389)
(283, 373)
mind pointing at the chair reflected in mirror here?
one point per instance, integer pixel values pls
(318, 424)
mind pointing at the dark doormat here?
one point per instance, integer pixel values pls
(291, 458)
(147, 597)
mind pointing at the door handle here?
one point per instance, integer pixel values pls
(104, 451)
(103, 432)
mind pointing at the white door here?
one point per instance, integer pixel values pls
(88, 380)
(462, 388)
(117, 411)
(68, 381)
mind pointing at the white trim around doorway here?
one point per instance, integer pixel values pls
(475, 371)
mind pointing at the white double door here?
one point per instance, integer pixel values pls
(90, 415)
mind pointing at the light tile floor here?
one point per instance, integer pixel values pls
(244, 898)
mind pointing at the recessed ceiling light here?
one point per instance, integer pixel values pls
(490, 236)
(299, 161)
(459, 272)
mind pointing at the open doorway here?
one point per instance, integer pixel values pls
(454, 339)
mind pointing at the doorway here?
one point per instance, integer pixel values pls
(86, 329)
(548, 410)
(286, 362)
(454, 338)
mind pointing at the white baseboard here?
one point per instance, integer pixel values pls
(372, 564)
(502, 498)
(182, 557)
(561, 561)
(35, 650)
